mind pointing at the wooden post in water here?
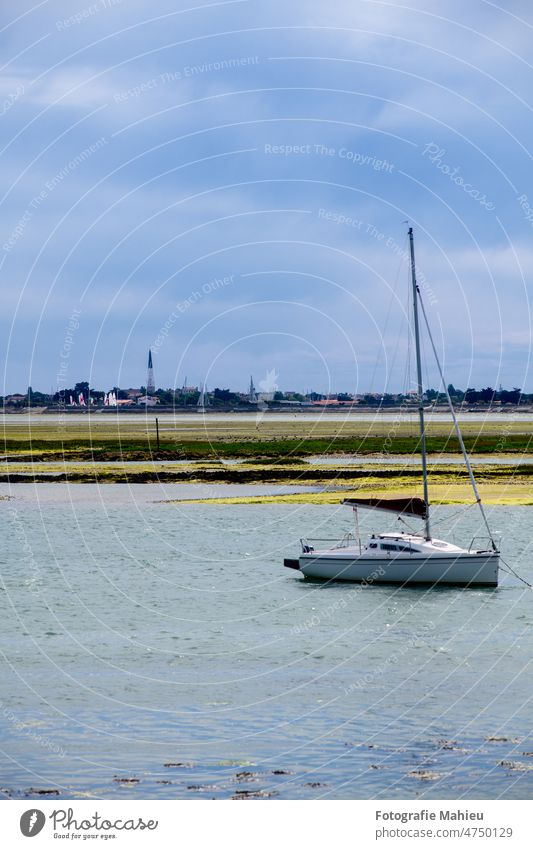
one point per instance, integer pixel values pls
(157, 431)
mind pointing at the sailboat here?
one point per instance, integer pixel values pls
(399, 557)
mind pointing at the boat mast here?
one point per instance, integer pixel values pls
(419, 381)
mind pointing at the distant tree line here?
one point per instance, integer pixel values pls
(227, 398)
(482, 396)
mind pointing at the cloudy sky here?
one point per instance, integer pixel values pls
(229, 182)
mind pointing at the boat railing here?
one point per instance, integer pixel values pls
(327, 542)
(485, 543)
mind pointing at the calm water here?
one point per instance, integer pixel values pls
(75, 419)
(405, 460)
(137, 634)
(339, 460)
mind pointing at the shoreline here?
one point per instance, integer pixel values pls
(254, 409)
(352, 456)
(498, 483)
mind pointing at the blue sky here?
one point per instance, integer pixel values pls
(228, 182)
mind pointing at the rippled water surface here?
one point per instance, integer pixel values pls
(162, 651)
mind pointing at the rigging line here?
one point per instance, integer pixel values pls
(455, 422)
(426, 368)
(512, 572)
(394, 356)
(462, 511)
(413, 531)
(410, 332)
(401, 324)
(383, 335)
(407, 371)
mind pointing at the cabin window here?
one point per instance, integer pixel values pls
(386, 546)
(372, 545)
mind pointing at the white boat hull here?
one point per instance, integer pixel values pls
(464, 569)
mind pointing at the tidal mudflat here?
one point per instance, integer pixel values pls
(323, 454)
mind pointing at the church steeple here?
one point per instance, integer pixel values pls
(252, 396)
(150, 385)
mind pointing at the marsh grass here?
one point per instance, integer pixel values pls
(121, 451)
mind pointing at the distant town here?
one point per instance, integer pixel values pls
(83, 398)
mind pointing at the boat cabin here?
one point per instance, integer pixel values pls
(395, 544)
